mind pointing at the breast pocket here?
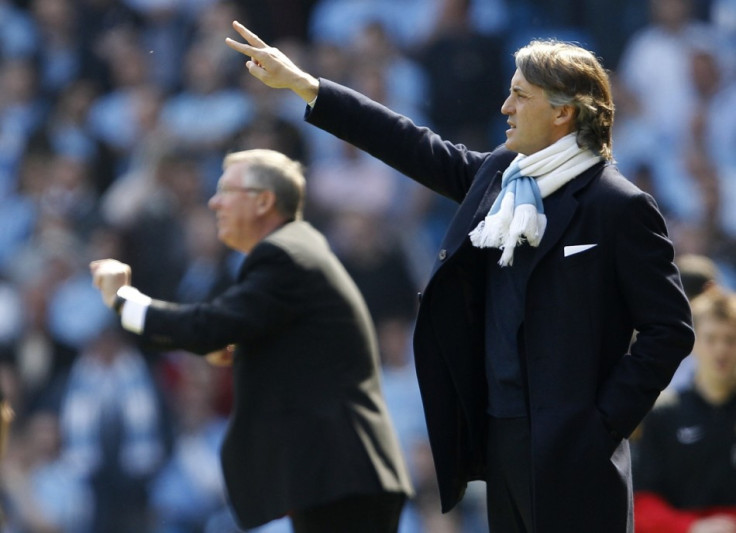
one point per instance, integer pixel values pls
(581, 272)
(580, 254)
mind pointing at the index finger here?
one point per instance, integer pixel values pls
(243, 48)
(248, 35)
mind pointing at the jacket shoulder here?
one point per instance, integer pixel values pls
(499, 158)
(297, 242)
(612, 191)
(612, 180)
(296, 235)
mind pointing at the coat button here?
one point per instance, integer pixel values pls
(419, 297)
(442, 255)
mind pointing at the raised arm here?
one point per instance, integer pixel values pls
(272, 66)
(417, 152)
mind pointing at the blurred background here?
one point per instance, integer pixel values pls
(114, 119)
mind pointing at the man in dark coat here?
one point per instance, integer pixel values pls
(309, 434)
(553, 260)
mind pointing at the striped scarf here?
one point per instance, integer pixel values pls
(517, 214)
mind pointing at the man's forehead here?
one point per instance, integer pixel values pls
(234, 170)
(236, 165)
(714, 321)
(519, 81)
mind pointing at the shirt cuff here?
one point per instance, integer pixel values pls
(133, 311)
(312, 102)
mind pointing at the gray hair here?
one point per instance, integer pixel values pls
(571, 75)
(276, 172)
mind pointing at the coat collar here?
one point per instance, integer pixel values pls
(479, 201)
(561, 209)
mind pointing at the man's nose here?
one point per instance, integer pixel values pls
(506, 107)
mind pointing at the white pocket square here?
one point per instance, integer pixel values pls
(576, 249)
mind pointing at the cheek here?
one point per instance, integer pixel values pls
(529, 124)
(729, 351)
(238, 221)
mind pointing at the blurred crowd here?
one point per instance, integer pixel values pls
(114, 119)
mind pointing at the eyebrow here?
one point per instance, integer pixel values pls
(517, 89)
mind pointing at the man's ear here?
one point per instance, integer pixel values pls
(565, 115)
(266, 201)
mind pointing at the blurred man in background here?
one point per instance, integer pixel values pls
(310, 435)
(685, 472)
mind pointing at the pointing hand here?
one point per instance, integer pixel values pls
(271, 66)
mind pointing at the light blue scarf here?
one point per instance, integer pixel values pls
(517, 214)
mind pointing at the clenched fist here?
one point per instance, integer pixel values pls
(108, 275)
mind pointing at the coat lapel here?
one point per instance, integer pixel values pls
(560, 208)
(486, 201)
(472, 210)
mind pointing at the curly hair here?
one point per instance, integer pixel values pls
(571, 75)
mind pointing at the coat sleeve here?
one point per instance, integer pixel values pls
(659, 311)
(415, 151)
(265, 299)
